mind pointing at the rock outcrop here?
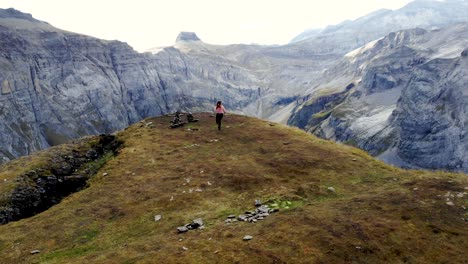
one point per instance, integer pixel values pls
(64, 173)
(402, 98)
(187, 36)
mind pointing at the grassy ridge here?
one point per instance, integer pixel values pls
(378, 213)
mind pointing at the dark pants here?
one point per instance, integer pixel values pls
(219, 117)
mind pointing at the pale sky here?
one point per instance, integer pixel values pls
(145, 24)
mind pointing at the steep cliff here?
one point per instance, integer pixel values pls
(402, 98)
(57, 85)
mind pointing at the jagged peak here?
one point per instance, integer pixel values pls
(187, 36)
(464, 53)
(13, 13)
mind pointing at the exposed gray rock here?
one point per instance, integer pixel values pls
(402, 99)
(242, 218)
(195, 224)
(258, 203)
(247, 237)
(36, 251)
(260, 213)
(465, 53)
(187, 36)
(182, 229)
(39, 189)
(198, 222)
(157, 218)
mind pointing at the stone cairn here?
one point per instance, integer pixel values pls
(260, 213)
(190, 118)
(177, 121)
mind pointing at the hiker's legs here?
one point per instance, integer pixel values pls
(218, 120)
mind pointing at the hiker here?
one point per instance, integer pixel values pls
(220, 111)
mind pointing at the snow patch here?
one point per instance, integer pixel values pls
(282, 115)
(354, 53)
(155, 50)
(368, 126)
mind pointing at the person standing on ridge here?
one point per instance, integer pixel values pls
(220, 111)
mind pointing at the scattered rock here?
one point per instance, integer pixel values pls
(198, 221)
(260, 213)
(36, 251)
(242, 218)
(354, 159)
(196, 224)
(216, 252)
(331, 189)
(247, 237)
(191, 119)
(450, 203)
(182, 229)
(105, 174)
(258, 203)
(184, 248)
(157, 218)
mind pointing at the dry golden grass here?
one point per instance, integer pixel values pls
(379, 214)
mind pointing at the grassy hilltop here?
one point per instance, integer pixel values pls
(374, 213)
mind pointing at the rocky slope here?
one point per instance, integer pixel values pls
(336, 203)
(402, 98)
(348, 35)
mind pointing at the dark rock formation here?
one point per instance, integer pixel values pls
(187, 36)
(39, 189)
(465, 53)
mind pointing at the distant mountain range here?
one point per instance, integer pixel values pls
(355, 82)
(428, 14)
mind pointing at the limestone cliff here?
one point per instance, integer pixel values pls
(56, 85)
(402, 98)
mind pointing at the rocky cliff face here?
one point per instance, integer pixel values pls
(56, 85)
(402, 98)
(431, 117)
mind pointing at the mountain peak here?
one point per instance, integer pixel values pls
(13, 13)
(187, 36)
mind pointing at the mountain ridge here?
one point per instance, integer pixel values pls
(336, 203)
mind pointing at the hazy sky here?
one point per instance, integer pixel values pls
(152, 23)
